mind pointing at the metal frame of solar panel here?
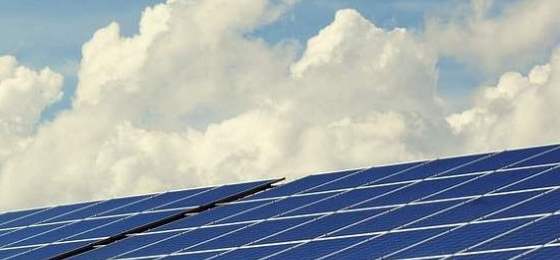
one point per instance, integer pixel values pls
(495, 205)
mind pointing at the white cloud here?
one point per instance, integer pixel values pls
(519, 111)
(195, 101)
(24, 94)
(516, 37)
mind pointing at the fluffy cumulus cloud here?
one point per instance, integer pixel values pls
(24, 94)
(520, 34)
(194, 99)
(520, 110)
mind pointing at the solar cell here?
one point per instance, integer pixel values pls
(396, 218)
(501, 255)
(275, 208)
(252, 252)
(459, 238)
(128, 244)
(98, 208)
(43, 216)
(549, 252)
(250, 233)
(433, 168)
(487, 183)
(50, 250)
(366, 177)
(476, 208)
(343, 200)
(495, 205)
(378, 246)
(316, 249)
(536, 233)
(502, 159)
(183, 240)
(10, 216)
(301, 185)
(551, 156)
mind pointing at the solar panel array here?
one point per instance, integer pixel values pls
(503, 205)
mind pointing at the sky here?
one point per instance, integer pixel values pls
(111, 98)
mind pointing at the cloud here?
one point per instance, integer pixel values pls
(514, 37)
(24, 94)
(519, 111)
(195, 101)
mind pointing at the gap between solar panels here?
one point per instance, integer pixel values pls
(161, 222)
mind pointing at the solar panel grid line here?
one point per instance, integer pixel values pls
(411, 203)
(263, 220)
(354, 174)
(38, 210)
(347, 207)
(77, 234)
(471, 222)
(302, 206)
(399, 188)
(535, 249)
(473, 246)
(72, 222)
(365, 186)
(506, 233)
(446, 256)
(456, 227)
(535, 156)
(410, 223)
(231, 197)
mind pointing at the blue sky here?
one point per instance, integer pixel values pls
(55, 31)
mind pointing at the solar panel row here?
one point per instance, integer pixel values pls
(47, 232)
(468, 207)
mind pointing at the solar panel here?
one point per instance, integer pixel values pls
(503, 205)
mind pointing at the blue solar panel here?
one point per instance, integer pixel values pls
(301, 185)
(433, 168)
(187, 239)
(487, 183)
(251, 233)
(321, 226)
(44, 215)
(552, 156)
(501, 160)
(125, 245)
(395, 218)
(98, 208)
(213, 215)
(415, 191)
(342, 200)
(549, 202)
(502, 255)
(10, 252)
(547, 178)
(382, 245)
(475, 209)
(366, 176)
(550, 252)
(50, 250)
(10, 216)
(65, 231)
(155, 201)
(24, 233)
(315, 249)
(460, 238)
(540, 232)
(465, 207)
(274, 208)
(253, 252)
